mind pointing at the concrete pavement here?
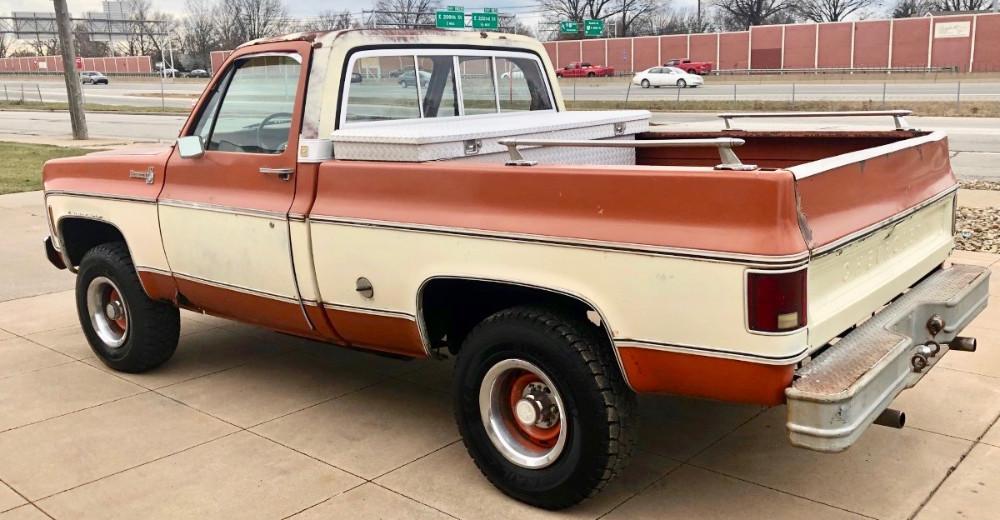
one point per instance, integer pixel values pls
(246, 423)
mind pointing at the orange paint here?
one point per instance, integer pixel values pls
(659, 371)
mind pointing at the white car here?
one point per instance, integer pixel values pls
(667, 76)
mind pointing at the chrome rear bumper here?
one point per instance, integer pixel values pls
(840, 393)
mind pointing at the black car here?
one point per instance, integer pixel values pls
(356, 77)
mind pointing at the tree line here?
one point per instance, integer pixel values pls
(210, 25)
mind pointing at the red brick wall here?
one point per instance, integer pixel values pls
(675, 47)
(765, 47)
(703, 48)
(909, 42)
(834, 45)
(733, 50)
(871, 44)
(647, 52)
(130, 64)
(800, 46)
(987, 55)
(569, 52)
(952, 52)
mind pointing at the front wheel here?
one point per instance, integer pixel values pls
(591, 74)
(541, 406)
(645, 83)
(125, 328)
(681, 83)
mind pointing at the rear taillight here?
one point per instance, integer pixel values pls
(776, 300)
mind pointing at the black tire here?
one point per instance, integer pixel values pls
(153, 327)
(591, 74)
(681, 83)
(599, 407)
(644, 83)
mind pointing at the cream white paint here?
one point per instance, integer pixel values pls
(137, 222)
(643, 297)
(242, 250)
(847, 285)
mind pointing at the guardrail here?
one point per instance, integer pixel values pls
(837, 70)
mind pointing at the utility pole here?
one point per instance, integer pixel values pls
(74, 92)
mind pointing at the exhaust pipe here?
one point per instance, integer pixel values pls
(963, 344)
(891, 418)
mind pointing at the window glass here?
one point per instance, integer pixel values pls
(384, 88)
(521, 85)
(256, 112)
(438, 94)
(477, 85)
(204, 125)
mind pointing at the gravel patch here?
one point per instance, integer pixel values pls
(978, 229)
(979, 185)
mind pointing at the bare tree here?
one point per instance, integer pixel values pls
(330, 21)
(834, 10)
(634, 16)
(679, 21)
(960, 5)
(909, 8)
(5, 44)
(198, 33)
(742, 14)
(405, 14)
(85, 46)
(45, 47)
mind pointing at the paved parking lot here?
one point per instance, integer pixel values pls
(245, 423)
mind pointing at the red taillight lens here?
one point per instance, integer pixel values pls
(776, 302)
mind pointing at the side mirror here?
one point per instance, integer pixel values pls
(190, 147)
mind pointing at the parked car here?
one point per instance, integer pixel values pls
(566, 272)
(408, 78)
(579, 69)
(691, 67)
(398, 72)
(92, 77)
(198, 73)
(666, 77)
(356, 77)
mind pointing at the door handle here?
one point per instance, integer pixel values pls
(282, 173)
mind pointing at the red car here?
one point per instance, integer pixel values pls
(691, 67)
(580, 69)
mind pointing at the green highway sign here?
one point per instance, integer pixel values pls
(593, 27)
(458, 8)
(485, 21)
(490, 9)
(450, 19)
(568, 27)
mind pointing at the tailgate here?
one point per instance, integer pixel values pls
(876, 221)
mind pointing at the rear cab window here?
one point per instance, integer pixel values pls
(386, 85)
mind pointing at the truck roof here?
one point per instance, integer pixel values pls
(407, 37)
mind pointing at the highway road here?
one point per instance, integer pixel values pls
(181, 93)
(975, 142)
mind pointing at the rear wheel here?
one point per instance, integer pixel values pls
(645, 83)
(692, 71)
(591, 74)
(541, 406)
(681, 83)
(125, 328)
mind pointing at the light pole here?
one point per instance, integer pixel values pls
(74, 92)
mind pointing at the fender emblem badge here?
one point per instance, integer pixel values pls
(147, 175)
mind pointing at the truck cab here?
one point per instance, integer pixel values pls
(568, 261)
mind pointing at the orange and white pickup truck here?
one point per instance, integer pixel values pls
(568, 260)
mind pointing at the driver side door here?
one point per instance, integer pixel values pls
(224, 215)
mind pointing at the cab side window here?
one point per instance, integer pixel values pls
(255, 114)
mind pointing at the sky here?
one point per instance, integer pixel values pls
(526, 10)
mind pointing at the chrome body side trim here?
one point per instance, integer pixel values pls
(700, 254)
(712, 352)
(219, 208)
(244, 290)
(369, 310)
(96, 195)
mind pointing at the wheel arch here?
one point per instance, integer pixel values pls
(444, 310)
(77, 235)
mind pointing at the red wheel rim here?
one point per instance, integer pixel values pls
(115, 298)
(542, 437)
